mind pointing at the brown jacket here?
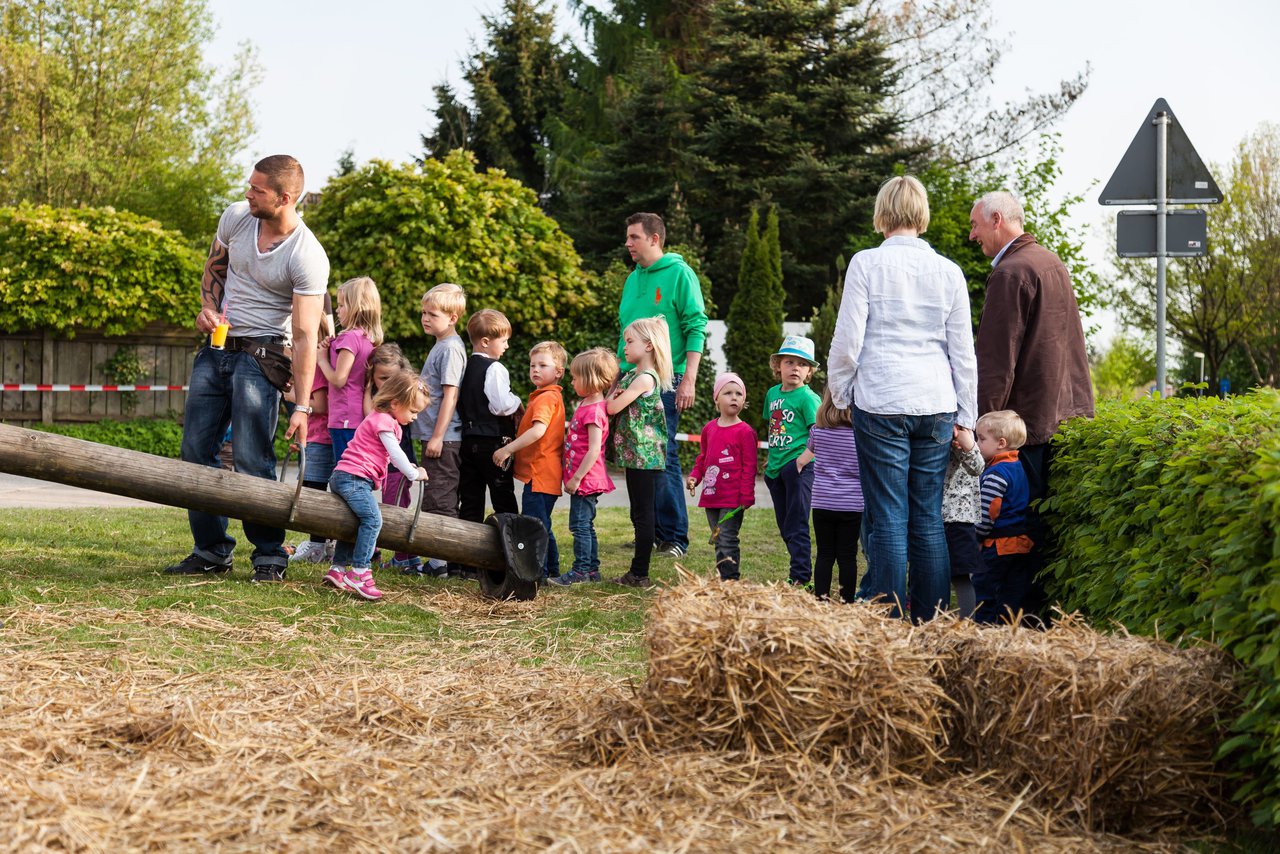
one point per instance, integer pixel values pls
(1030, 345)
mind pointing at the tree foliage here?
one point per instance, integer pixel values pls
(953, 188)
(945, 56)
(413, 226)
(755, 315)
(1127, 364)
(517, 83)
(67, 270)
(111, 104)
(806, 104)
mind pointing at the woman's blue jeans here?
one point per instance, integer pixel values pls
(903, 461)
(358, 493)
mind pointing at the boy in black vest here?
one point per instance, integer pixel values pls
(487, 408)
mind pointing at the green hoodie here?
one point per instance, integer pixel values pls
(668, 287)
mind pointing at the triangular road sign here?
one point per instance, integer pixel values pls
(1134, 181)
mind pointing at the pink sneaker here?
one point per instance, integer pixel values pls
(360, 581)
(334, 577)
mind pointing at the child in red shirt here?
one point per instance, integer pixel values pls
(726, 466)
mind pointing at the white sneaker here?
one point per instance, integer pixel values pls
(309, 552)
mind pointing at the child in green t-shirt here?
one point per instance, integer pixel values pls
(791, 407)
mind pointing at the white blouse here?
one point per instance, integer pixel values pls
(903, 343)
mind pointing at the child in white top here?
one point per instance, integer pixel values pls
(364, 468)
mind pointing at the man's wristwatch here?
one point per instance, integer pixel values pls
(300, 408)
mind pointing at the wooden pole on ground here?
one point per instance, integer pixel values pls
(47, 456)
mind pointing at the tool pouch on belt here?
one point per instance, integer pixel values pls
(275, 360)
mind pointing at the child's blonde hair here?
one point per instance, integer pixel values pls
(595, 369)
(775, 365)
(364, 306)
(385, 355)
(829, 415)
(1005, 424)
(402, 387)
(559, 354)
(487, 323)
(654, 332)
(446, 298)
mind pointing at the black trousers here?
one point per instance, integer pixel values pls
(476, 473)
(1036, 461)
(835, 532)
(642, 486)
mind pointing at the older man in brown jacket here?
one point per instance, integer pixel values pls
(1030, 344)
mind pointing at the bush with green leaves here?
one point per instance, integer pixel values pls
(411, 227)
(755, 315)
(159, 436)
(67, 269)
(1169, 527)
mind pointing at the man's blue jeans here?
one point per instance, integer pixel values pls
(903, 461)
(539, 505)
(358, 493)
(671, 515)
(582, 518)
(227, 387)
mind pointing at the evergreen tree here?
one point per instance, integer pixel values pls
(755, 316)
(793, 107)
(822, 326)
(517, 83)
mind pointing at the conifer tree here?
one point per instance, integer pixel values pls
(755, 316)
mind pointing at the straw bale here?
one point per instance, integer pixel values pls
(446, 746)
(1115, 730)
(767, 669)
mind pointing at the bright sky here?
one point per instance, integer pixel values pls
(340, 75)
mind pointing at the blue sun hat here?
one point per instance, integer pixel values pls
(798, 346)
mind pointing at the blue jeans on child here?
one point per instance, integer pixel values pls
(358, 493)
(539, 505)
(671, 515)
(903, 461)
(792, 492)
(582, 517)
(228, 388)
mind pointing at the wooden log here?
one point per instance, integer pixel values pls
(75, 462)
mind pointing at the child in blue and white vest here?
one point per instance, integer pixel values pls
(1001, 587)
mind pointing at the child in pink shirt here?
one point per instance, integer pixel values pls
(344, 360)
(726, 467)
(585, 476)
(363, 468)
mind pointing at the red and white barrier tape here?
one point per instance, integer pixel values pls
(680, 437)
(73, 387)
(697, 440)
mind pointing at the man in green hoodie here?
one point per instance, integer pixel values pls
(663, 284)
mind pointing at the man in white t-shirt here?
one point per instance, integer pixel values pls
(266, 276)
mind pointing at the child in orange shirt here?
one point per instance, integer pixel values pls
(539, 443)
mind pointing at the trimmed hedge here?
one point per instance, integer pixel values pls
(1166, 514)
(85, 268)
(162, 437)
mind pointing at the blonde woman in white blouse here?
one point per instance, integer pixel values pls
(902, 358)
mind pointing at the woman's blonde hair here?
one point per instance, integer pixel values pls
(402, 387)
(654, 332)
(829, 415)
(364, 306)
(596, 369)
(901, 203)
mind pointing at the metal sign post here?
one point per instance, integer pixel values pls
(1142, 180)
(1162, 209)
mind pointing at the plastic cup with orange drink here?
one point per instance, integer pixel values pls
(218, 338)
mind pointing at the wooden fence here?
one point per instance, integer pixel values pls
(163, 355)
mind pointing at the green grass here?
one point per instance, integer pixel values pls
(90, 579)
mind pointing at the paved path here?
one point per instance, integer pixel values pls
(17, 491)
